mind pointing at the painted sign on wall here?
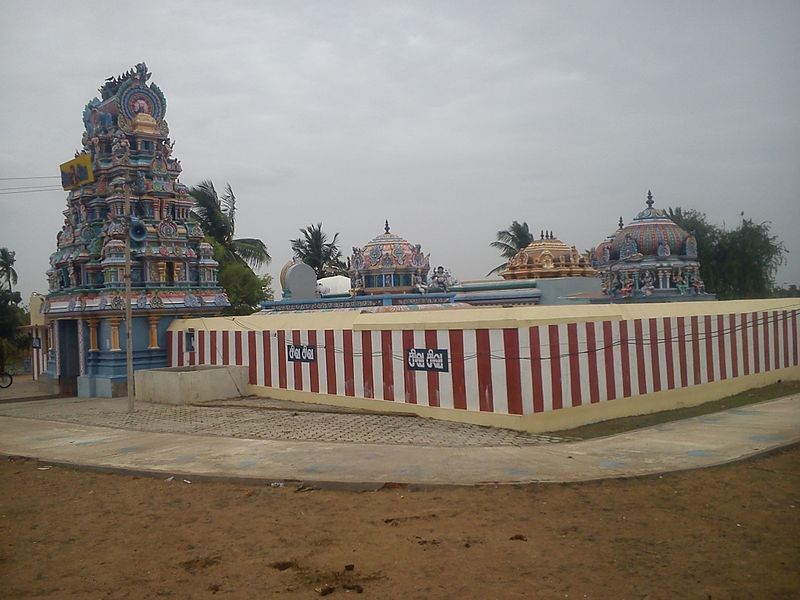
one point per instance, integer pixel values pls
(513, 370)
(306, 354)
(427, 359)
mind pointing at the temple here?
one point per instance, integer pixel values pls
(126, 144)
(650, 259)
(391, 271)
(547, 258)
(389, 264)
(387, 271)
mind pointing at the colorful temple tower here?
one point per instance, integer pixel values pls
(650, 259)
(173, 274)
(389, 264)
(547, 258)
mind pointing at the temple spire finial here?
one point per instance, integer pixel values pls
(621, 223)
(386, 226)
(649, 199)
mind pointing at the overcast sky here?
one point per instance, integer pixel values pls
(450, 119)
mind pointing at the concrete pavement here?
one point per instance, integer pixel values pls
(98, 434)
(24, 388)
(267, 419)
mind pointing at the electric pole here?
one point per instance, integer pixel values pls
(128, 299)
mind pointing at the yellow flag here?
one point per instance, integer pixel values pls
(77, 172)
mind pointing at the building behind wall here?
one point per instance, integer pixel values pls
(652, 259)
(126, 142)
(39, 336)
(391, 271)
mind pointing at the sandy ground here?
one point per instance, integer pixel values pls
(728, 532)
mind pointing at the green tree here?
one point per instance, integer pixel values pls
(245, 289)
(11, 315)
(737, 263)
(790, 291)
(708, 238)
(510, 241)
(319, 252)
(13, 343)
(752, 257)
(217, 217)
(696, 222)
(7, 272)
(266, 288)
(236, 256)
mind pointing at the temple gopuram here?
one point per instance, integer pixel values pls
(545, 258)
(127, 149)
(650, 259)
(391, 273)
(546, 271)
(388, 271)
(389, 264)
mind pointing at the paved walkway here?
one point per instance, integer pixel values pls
(23, 388)
(280, 444)
(261, 419)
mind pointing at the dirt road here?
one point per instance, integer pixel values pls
(728, 532)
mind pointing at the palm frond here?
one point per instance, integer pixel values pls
(507, 250)
(253, 251)
(7, 271)
(510, 241)
(319, 252)
(228, 204)
(217, 217)
(497, 269)
(209, 212)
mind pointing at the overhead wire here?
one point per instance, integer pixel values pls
(780, 314)
(30, 188)
(9, 192)
(32, 177)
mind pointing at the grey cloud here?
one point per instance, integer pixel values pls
(449, 119)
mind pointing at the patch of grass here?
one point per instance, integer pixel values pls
(594, 430)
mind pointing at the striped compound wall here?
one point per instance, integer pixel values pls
(524, 370)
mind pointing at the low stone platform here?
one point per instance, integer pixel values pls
(185, 385)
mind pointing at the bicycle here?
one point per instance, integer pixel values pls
(5, 380)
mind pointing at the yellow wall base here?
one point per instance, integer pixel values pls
(566, 418)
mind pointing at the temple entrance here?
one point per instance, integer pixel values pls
(68, 357)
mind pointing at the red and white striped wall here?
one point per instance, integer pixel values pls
(516, 371)
(39, 355)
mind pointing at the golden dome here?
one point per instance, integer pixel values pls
(144, 123)
(545, 258)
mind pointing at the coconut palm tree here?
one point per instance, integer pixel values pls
(216, 216)
(7, 272)
(510, 241)
(319, 252)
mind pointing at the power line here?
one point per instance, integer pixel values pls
(34, 177)
(30, 187)
(31, 191)
(760, 320)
